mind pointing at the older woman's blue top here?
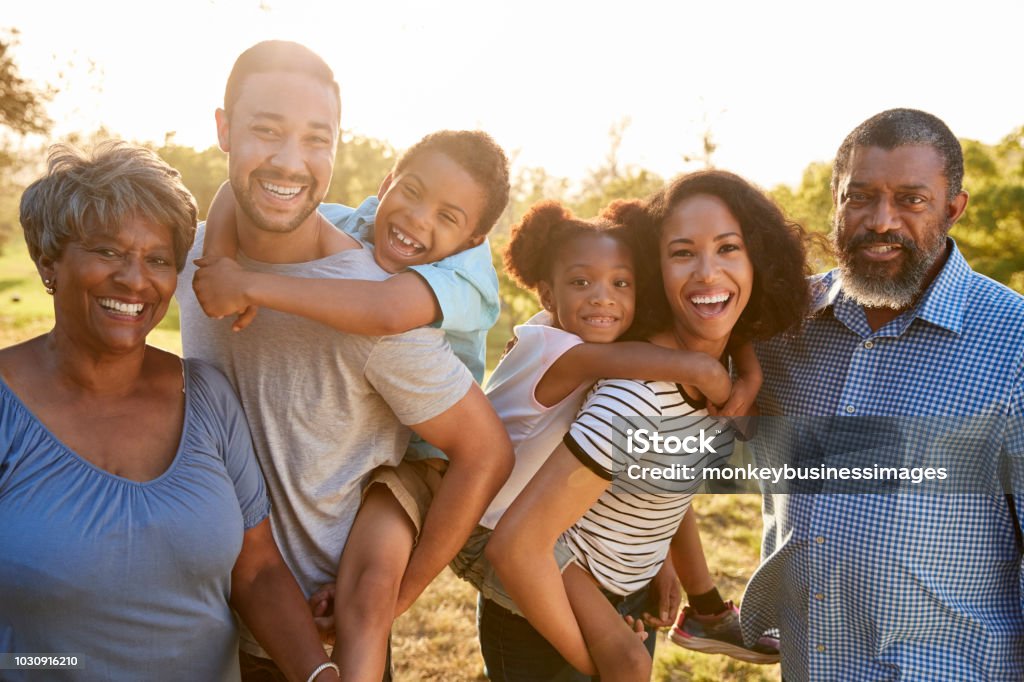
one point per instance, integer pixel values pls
(133, 578)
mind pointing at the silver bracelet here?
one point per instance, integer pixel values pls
(322, 667)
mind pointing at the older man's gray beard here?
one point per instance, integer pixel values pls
(869, 284)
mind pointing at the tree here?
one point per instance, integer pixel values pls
(991, 231)
(22, 104)
(22, 111)
(529, 185)
(632, 183)
(201, 171)
(613, 179)
(360, 166)
(11, 187)
(810, 205)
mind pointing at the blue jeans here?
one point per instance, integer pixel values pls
(514, 652)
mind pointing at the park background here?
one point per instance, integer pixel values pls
(593, 101)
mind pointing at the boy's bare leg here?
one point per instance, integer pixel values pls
(618, 651)
(372, 565)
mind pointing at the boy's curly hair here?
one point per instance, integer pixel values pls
(537, 240)
(780, 296)
(480, 156)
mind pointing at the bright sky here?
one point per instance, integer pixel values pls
(779, 83)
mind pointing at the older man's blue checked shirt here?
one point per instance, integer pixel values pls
(896, 587)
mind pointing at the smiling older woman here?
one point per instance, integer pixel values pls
(133, 516)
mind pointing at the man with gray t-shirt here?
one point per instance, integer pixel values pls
(326, 408)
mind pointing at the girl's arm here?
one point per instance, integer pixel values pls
(748, 382)
(221, 238)
(588, 362)
(522, 550)
(266, 596)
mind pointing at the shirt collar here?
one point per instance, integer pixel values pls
(364, 216)
(943, 304)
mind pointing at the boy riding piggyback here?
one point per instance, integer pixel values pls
(428, 226)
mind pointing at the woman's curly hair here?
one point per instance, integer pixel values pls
(776, 247)
(537, 240)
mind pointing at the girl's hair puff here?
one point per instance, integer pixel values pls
(537, 239)
(627, 212)
(776, 247)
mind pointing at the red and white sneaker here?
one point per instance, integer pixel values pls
(720, 634)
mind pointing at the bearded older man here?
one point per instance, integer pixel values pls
(897, 586)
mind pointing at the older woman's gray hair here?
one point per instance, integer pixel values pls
(83, 194)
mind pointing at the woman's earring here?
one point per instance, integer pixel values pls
(49, 284)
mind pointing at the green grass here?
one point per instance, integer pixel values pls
(25, 308)
(436, 639)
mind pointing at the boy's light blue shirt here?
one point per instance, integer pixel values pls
(464, 284)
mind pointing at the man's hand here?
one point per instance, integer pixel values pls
(221, 289)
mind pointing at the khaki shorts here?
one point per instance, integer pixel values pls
(472, 565)
(413, 483)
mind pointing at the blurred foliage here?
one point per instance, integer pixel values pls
(11, 187)
(22, 111)
(990, 233)
(613, 179)
(22, 103)
(201, 171)
(810, 205)
(360, 166)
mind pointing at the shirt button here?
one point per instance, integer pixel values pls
(819, 596)
(820, 539)
(869, 344)
(820, 648)
(851, 409)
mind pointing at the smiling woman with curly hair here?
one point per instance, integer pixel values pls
(722, 265)
(775, 246)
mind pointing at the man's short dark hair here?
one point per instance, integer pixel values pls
(277, 55)
(899, 128)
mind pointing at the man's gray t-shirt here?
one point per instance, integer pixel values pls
(325, 408)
